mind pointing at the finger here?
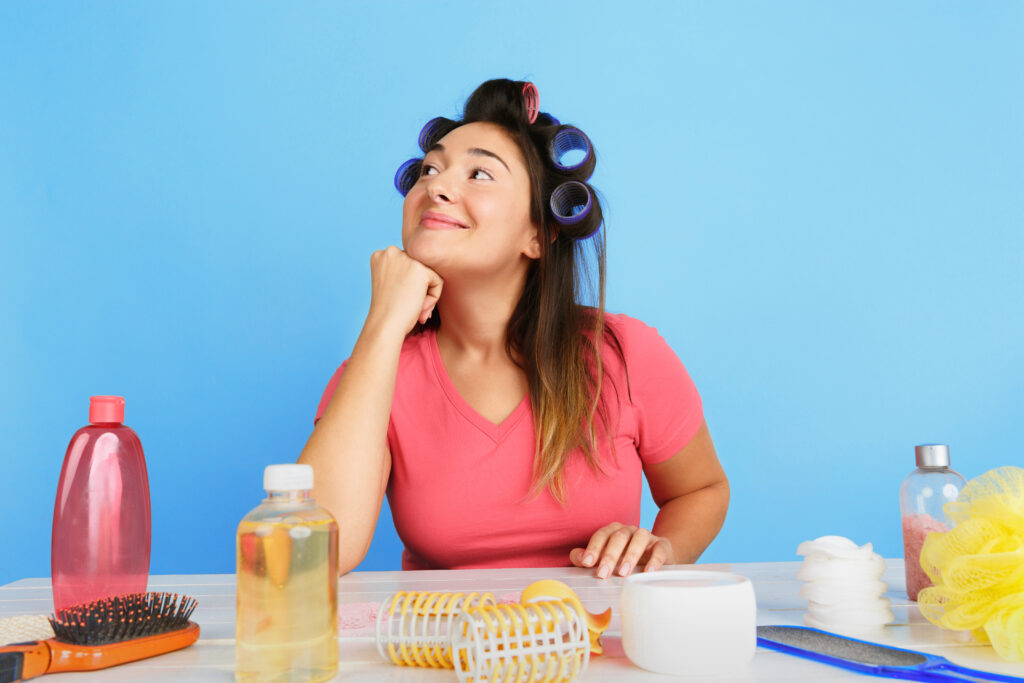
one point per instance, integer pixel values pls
(576, 556)
(613, 550)
(596, 544)
(434, 286)
(661, 552)
(638, 544)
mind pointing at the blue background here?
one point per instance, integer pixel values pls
(819, 205)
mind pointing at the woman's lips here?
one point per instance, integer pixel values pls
(438, 221)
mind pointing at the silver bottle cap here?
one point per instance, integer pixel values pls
(932, 455)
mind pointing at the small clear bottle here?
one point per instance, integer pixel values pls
(922, 496)
(286, 627)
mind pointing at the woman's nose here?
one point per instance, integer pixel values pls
(439, 191)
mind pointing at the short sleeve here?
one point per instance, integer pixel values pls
(666, 405)
(329, 392)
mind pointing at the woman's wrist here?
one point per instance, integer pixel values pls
(382, 329)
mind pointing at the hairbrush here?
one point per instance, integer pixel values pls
(865, 657)
(104, 633)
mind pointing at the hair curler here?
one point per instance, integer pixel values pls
(550, 589)
(569, 139)
(571, 202)
(531, 98)
(414, 627)
(429, 132)
(407, 175)
(527, 643)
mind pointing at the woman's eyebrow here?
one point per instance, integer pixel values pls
(475, 151)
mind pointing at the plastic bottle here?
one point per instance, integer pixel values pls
(287, 612)
(924, 493)
(101, 524)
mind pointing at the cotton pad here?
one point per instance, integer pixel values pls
(843, 585)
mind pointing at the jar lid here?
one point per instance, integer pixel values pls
(932, 455)
(288, 478)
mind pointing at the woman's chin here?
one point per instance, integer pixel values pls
(432, 258)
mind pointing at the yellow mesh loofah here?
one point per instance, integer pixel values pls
(978, 566)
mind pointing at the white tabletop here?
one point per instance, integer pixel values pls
(775, 584)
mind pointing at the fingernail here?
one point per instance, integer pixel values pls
(604, 571)
(588, 559)
(624, 569)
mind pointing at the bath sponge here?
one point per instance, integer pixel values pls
(977, 567)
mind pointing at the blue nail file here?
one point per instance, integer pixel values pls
(867, 658)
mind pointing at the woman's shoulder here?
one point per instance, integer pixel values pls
(628, 329)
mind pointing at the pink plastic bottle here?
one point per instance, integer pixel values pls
(101, 523)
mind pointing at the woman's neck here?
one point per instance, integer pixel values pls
(474, 317)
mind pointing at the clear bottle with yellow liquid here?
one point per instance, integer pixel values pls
(286, 627)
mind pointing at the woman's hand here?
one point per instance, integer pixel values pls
(621, 548)
(404, 290)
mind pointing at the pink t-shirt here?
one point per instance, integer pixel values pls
(459, 482)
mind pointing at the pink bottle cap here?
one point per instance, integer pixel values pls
(106, 409)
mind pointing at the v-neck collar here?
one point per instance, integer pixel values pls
(497, 432)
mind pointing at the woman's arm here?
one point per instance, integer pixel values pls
(692, 493)
(348, 448)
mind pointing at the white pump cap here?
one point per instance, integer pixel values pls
(288, 478)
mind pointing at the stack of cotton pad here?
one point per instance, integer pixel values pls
(843, 585)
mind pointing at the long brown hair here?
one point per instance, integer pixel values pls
(553, 334)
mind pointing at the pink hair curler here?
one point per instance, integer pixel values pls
(532, 101)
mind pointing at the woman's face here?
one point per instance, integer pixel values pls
(469, 213)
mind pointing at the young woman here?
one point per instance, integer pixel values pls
(509, 423)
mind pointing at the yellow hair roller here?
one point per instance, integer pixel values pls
(549, 589)
(547, 638)
(544, 641)
(413, 627)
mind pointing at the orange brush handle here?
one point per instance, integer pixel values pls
(65, 657)
(35, 658)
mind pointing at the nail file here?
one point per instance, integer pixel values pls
(865, 657)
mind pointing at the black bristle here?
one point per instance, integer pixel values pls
(122, 618)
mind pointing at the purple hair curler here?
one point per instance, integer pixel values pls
(571, 202)
(407, 175)
(428, 132)
(532, 99)
(569, 139)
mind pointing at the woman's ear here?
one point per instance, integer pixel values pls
(532, 249)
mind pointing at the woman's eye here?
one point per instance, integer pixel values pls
(481, 174)
(427, 170)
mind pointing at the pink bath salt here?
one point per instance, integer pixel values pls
(354, 616)
(915, 529)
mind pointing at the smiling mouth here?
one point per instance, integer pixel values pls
(438, 221)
